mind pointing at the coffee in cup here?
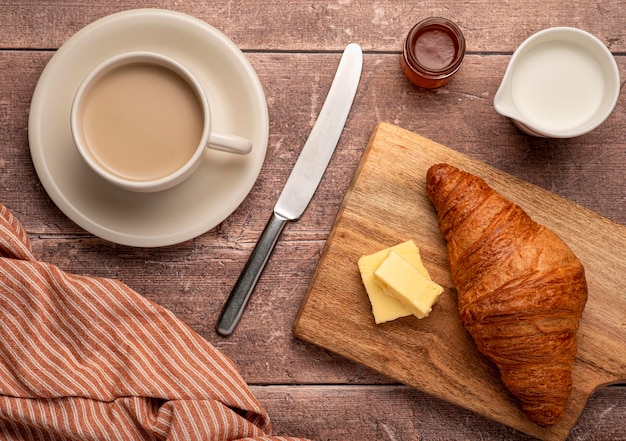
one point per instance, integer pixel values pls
(142, 121)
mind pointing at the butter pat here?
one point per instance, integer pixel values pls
(384, 307)
(399, 279)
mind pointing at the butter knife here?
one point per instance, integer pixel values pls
(301, 184)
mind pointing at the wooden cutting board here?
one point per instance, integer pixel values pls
(387, 204)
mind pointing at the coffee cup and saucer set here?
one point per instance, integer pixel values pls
(148, 128)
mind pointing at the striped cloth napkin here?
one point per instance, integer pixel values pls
(89, 359)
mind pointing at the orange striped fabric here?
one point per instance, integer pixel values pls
(89, 359)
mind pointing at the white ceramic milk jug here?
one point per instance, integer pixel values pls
(561, 82)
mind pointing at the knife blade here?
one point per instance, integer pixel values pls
(301, 184)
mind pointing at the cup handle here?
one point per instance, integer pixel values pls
(230, 143)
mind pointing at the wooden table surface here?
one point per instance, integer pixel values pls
(294, 48)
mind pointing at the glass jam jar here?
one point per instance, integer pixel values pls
(433, 52)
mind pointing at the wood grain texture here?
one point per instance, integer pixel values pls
(294, 48)
(416, 415)
(387, 204)
(321, 25)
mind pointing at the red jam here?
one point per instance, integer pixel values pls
(433, 52)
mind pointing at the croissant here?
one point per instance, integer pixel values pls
(521, 290)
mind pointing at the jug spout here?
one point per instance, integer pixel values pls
(503, 101)
(505, 105)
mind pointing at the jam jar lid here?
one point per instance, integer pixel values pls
(433, 52)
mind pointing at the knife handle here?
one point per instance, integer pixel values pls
(239, 296)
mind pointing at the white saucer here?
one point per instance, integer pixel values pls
(197, 205)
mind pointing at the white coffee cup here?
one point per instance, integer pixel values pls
(142, 121)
